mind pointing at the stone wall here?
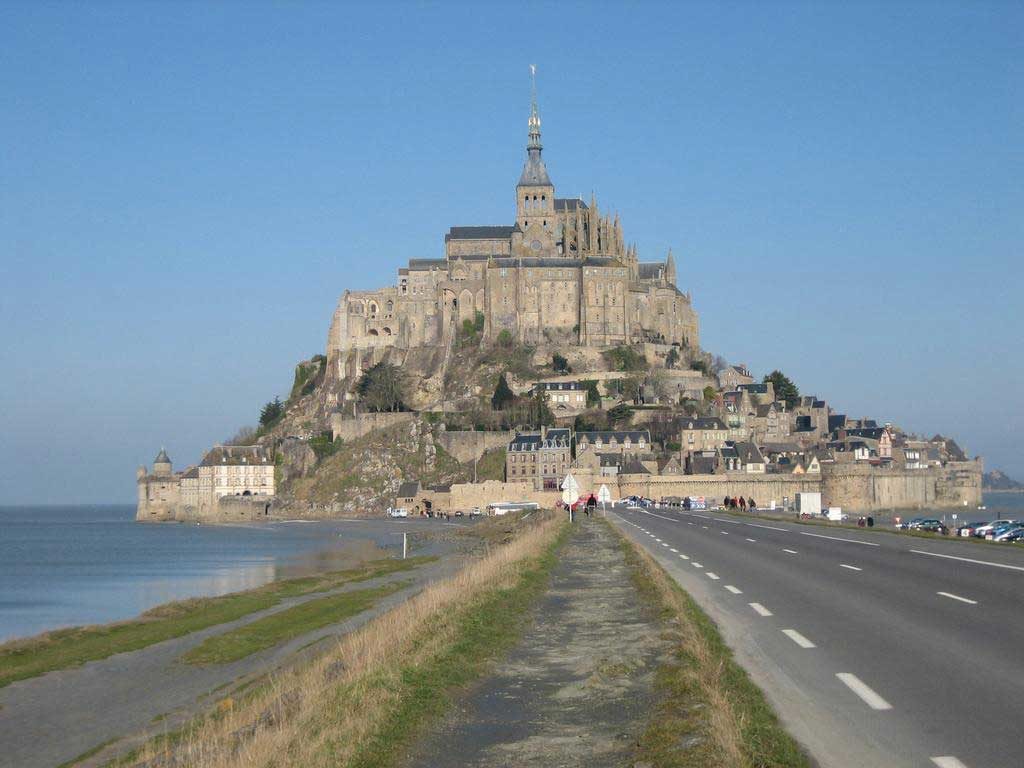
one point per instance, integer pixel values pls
(467, 445)
(353, 427)
(865, 488)
(762, 488)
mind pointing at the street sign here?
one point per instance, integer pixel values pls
(604, 494)
(570, 489)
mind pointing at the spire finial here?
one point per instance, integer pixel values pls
(534, 121)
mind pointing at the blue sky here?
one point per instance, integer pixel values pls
(186, 189)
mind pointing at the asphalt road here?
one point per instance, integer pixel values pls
(875, 649)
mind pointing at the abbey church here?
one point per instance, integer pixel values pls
(561, 273)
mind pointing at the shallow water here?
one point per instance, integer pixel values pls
(64, 566)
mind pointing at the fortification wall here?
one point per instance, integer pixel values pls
(762, 488)
(353, 427)
(865, 488)
(467, 445)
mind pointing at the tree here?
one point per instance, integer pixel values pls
(271, 413)
(505, 339)
(593, 394)
(658, 385)
(785, 389)
(672, 358)
(503, 395)
(699, 365)
(382, 388)
(710, 393)
(244, 436)
(621, 414)
(560, 364)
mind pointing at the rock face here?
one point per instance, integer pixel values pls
(1000, 481)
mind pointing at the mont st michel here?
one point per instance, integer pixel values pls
(377, 398)
(537, 349)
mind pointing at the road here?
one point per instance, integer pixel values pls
(875, 649)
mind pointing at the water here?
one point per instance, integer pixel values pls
(1008, 505)
(64, 566)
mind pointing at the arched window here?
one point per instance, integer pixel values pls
(390, 306)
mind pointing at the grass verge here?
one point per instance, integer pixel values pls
(703, 692)
(363, 702)
(21, 659)
(284, 625)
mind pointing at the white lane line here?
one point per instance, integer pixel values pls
(760, 610)
(753, 540)
(695, 564)
(948, 761)
(704, 527)
(661, 517)
(768, 527)
(712, 576)
(957, 597)
(969, 560)
(724, 533)
(850, 567)
(664, 544)
(791, 551)
(672, 549)
(705, 517)
(797, 638)
(689, 523)
(685, 557)
(839, 538)
(866, 695)
(733, 589)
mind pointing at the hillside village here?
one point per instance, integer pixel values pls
(528, 352)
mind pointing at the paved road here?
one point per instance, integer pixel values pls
(875, 649)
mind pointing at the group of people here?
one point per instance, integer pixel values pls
(732, 502)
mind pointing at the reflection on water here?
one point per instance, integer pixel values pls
(66, 566)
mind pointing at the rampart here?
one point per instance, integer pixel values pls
(866, 488)
(353, 427)
(468, 445)
(762, 488)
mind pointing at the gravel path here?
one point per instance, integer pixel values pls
(577, 689)
(47, 720)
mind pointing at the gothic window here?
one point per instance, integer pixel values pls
(390, 306)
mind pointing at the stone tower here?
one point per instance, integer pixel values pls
(162, 464)
(535, 195)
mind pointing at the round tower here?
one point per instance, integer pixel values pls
(162, 464)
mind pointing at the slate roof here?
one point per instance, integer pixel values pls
(634, 435)
(749, 453)
(711, 422)
(559, 385)
(408, 490)
(479, 233)
(190, 474)
(569, 204)
(758, 388)
(873, 433)
(650, 270)
(703, 464)
(634, 467)
(422, 265)
(234, 454)
(836, 421)
(162, 458)
(531, 441)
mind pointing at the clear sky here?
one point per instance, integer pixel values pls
(187, 188)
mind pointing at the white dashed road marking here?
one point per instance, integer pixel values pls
(672, 549)
(712, 576)
(957, 597)
(724, 533)
(753, 540)
(850, 567)
(760, 610)
(797, 638)
(839, 538)
(791, 551)
(733, 589)
(866, 695)
(969, 560)
(696, 565)
(768, 527)
(685, 557)
(948, 761)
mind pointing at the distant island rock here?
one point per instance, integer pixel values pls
(999, 481)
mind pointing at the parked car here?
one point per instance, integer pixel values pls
(908, 525)
(999, 530)
(968, 529)
(1010, 533)
(474, 512)
(931, 526)
(983, 530)
(398, 512)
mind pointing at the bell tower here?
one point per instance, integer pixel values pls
(535, 194)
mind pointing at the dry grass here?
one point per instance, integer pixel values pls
(337, 710)
(741, 727)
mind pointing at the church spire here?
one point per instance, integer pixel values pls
(534, 172)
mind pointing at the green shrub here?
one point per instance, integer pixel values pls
(623, 358)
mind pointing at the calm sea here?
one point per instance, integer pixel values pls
(63, 566)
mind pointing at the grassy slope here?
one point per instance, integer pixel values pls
(65, 648)
(284, 625)
(735, 727)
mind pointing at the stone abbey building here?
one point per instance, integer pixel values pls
(560, 273)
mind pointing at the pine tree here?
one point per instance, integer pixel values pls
(503, 394)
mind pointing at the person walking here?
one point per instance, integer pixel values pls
(743, 504)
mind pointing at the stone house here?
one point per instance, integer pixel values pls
(880, 436)
(768, 423)
(762, 392)
(703, 462)
(702, 434)
(614, 441)
(408, 496)
(742, 457)
(543, 457)
(732, 376)
(563, 395)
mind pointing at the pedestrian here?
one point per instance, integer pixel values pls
(751, 504)
(743, 504)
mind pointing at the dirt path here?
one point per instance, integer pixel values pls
(577, 689)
